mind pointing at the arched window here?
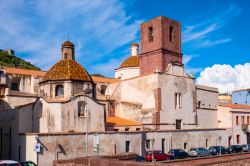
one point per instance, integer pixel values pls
(81, 108)
(65, 56)
(59, 90)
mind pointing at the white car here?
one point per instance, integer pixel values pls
(9, 163)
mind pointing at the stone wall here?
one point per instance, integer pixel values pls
(70, 145)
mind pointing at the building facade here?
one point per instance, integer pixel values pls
(151, 103)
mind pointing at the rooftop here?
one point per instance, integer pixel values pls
(25, 72)
(116, 121)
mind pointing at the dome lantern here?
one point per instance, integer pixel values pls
(68, 50)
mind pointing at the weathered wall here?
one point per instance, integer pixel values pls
(237, 128)
(127, 72)
(207, 106)
(176, 81)
(63, 117)
(224, 117)
(12, 101)
(73, 145)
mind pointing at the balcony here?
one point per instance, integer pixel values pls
(244, 127)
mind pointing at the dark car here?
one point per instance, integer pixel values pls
(27, 163)
(245, 147)
(177, 154)
(139, 158)
(215, 150)
(158, 155)
(234, 149)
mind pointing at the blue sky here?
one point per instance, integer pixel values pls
(213, 32)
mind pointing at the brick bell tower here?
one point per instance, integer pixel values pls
(160, 44)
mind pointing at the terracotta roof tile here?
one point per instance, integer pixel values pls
(116, 121)
(240, 106)
(104, 79)
(25, 72)
(131, 61)
(67, 70)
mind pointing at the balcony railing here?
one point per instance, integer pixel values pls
(244, 127)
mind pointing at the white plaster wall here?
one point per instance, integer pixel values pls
(171, 84)
(63, 117)
(71, 121)
(25, 119)
(207, 111)
(135, 97)
(224, 117)
(13, 101)
(127, 72)
(237, 129)
(47, 116)
(75, 145)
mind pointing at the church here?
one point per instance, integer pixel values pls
(150, 103)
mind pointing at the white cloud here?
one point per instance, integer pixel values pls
(226, 77)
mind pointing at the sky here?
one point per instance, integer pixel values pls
(215, 34)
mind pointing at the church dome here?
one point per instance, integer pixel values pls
(131, 61)
(67, 70)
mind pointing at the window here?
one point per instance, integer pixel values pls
(126, 129)
(242, 120)
(65, 56)
(127, 146)
(171, 34)
(178, 100)
(238, 139)
(103, 89)
(163, 145)
(185, 145)
(237, 120)
(178, 124)
(248, 120)
(59, 91)
(14, 86)
(206, 143)
(199, 104)
(150, 34)
(147, 144)
(81, 108)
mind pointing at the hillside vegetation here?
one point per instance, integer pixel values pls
(7, 60)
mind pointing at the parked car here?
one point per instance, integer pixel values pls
(234, 149)
(158, 155)
(177, 154)
(245, 147)
(198, 152)
(215, 150)
(27, 163)
(139, 158)
(9, 163)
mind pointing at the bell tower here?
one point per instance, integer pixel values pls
(160, 44)
(68, 50)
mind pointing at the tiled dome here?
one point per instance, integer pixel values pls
(67, 70)
(131, 61)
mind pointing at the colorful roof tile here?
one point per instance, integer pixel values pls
(116, 121)
(67, 70)
(131, 61)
